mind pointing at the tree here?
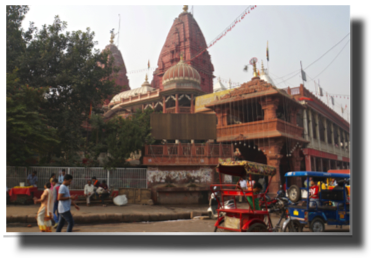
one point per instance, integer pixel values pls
(28, 134)
(120, 137)
(76, 75)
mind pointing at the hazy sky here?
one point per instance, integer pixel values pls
(294, 33)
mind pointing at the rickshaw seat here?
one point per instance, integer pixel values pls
(332, 195)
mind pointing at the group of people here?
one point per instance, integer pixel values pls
(256, 186)
(99, 190)
(56, 200)
(55, 204)
(316, 186)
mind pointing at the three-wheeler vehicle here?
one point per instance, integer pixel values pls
(256, 217)
(315, 214)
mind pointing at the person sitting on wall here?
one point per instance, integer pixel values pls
(103, 191)
(88, 191)
(237, 155)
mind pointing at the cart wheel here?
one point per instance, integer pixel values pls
(317, 225)
(293, 226)
(218, 229)
(257, 227)
(294, 193)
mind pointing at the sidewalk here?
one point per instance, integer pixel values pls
(112, 213)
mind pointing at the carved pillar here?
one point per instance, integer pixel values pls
(176, 103)
(293, 116)
(269, 106)
(272, 152)
(326, 130)
(224, 117)
(218, 112)
(310, 124)
(317, 127)
(164, 105)
(332, 134)
(296, 163)
(192, 104)
(306, 129)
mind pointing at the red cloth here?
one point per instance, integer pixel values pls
(22, 191)
(313, 191)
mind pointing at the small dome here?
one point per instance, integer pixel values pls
(218, 86)
(265, 76)
(181, 72)
(146, 87)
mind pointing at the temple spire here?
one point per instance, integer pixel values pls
(185, 8)
(255, 72)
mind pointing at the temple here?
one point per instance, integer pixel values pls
(197, 124)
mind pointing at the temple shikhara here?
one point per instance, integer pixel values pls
(198, 124)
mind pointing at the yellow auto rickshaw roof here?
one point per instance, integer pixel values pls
(242, 168)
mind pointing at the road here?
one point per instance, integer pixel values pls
(191, 225)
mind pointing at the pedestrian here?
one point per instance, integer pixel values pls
(105, 193)
(45, 213)
(61, 177)
(64, 202)
(96, 184)
(32, 179)
(88, 191)
(56, 215)
(314, 199)
(243, 184)
(52, 176)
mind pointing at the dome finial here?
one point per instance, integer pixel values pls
(146, 83)
(255, 73)
(112, 36)
(181, 57)
(185, 8)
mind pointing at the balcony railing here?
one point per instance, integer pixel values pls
(182, 109)
(206, 150)
(259, 127)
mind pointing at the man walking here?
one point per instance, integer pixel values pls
(64, 203)
(56, 215)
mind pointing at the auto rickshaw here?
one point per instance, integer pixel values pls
(256, 217)
(320, 212)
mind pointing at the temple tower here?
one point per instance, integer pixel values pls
(185, 38)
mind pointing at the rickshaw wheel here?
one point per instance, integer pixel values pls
(317, 225)
(295, 224)
(294, 193)
(257, 227)
(218, 229)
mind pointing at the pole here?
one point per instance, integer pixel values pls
(119, 28)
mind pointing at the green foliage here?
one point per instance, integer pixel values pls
(120, 137)
(28, 134)
(66, 65)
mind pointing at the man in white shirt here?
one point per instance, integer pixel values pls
(88, 191)
(243, 185)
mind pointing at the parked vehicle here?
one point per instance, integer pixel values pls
(255, 218)
(320, 213)
(215, 201)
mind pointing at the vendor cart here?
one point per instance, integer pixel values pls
(256, 217)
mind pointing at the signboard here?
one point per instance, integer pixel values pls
(201, 101)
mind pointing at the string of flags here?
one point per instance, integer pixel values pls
(228, 29)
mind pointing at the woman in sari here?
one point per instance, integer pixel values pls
(45, 213)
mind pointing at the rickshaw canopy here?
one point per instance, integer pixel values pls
(316, 174)
(242, 168)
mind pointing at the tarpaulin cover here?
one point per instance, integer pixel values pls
(242, 168)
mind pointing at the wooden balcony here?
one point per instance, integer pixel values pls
(182, 109)
(187, 154)
(259, 129)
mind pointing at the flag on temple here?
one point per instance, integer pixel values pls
(148, 65)
(303, 75)
(268, 53)
(320, 90)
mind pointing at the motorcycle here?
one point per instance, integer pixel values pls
(279, 205)
(214, 204)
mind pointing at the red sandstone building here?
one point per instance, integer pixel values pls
(269, 125)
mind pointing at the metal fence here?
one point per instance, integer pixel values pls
(116, 178)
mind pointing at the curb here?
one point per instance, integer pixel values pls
(113, 218)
